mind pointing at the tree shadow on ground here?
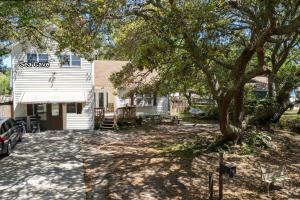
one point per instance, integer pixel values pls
(127, 165)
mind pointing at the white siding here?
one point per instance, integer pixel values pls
(160, 109)
(55, 78)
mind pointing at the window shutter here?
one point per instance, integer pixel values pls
(79, 108)
(154, 100)
(29, 110)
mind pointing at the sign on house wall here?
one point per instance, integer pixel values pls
(34, 65)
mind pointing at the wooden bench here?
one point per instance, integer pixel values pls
(272, 175)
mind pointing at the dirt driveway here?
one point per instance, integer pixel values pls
(45, 165)
(128, 165)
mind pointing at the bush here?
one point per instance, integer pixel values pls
(212, 113)
(290, 121)
(116, 127)
(97, 126)
(265, 110)
(255, 141)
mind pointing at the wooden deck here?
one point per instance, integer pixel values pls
(121, 115)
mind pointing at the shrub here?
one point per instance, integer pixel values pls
(212, 113)
(264, 110)
(116, 127)
(291, 122)
(97, 126)
(255, 141)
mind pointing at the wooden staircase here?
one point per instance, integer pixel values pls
(107, 123)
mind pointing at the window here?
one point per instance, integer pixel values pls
(148, 100)
(43, 58)
(65, 60)
(144, 100)
(74, 108)
(101, 100)
(139, 100)
(40, 108)
(68, 60)
(71, 108)
(75, 60)
(34, 57)
(55, 110)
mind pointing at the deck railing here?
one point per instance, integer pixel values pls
(99, 114)
(125, 114)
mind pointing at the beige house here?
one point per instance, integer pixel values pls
(111, 98)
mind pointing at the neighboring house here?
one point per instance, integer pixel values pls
(58, 88)
(260, 86)
(111, 98)
(6, 106)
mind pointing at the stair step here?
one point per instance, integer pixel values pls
(104, 127)
(108, 120)
(104, 122)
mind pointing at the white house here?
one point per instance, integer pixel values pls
(112, 98)
(58, 88)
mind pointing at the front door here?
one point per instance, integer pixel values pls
(54, 117)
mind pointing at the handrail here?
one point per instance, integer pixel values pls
(127, 113)
(99, 114)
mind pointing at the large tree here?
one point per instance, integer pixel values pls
(226, 41)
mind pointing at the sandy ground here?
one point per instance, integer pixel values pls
(128, 165)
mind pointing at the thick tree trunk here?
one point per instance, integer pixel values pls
(230, 131)
(238, 110)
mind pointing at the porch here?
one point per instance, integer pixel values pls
(122, 115)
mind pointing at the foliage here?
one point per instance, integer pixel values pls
(97, 125)
(290, 120)
(5, 83)
(116, 127)
(186, 148)
(206, 46)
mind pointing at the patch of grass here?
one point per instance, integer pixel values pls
(291, 120)
(186, 148)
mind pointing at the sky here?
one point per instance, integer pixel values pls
(7, 61)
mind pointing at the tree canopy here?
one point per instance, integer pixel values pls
(219, 45)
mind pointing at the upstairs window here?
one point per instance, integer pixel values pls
(35, 57)
(70, 60)
(43, 58)
(32, 58)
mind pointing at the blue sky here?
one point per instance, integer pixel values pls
(7, 61)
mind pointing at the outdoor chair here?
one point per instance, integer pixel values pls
(271, 175)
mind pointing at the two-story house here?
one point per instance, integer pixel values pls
(57, 88)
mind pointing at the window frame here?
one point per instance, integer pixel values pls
(78, 108)
(70, 65)
(143, 100)
(75, 108)
(37, 57)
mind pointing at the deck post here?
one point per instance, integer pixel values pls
(221, 160)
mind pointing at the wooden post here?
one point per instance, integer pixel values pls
(221, 177)
(211, 185)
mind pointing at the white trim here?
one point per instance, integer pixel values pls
(70, 61)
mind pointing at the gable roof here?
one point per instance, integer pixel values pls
(103, 69)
